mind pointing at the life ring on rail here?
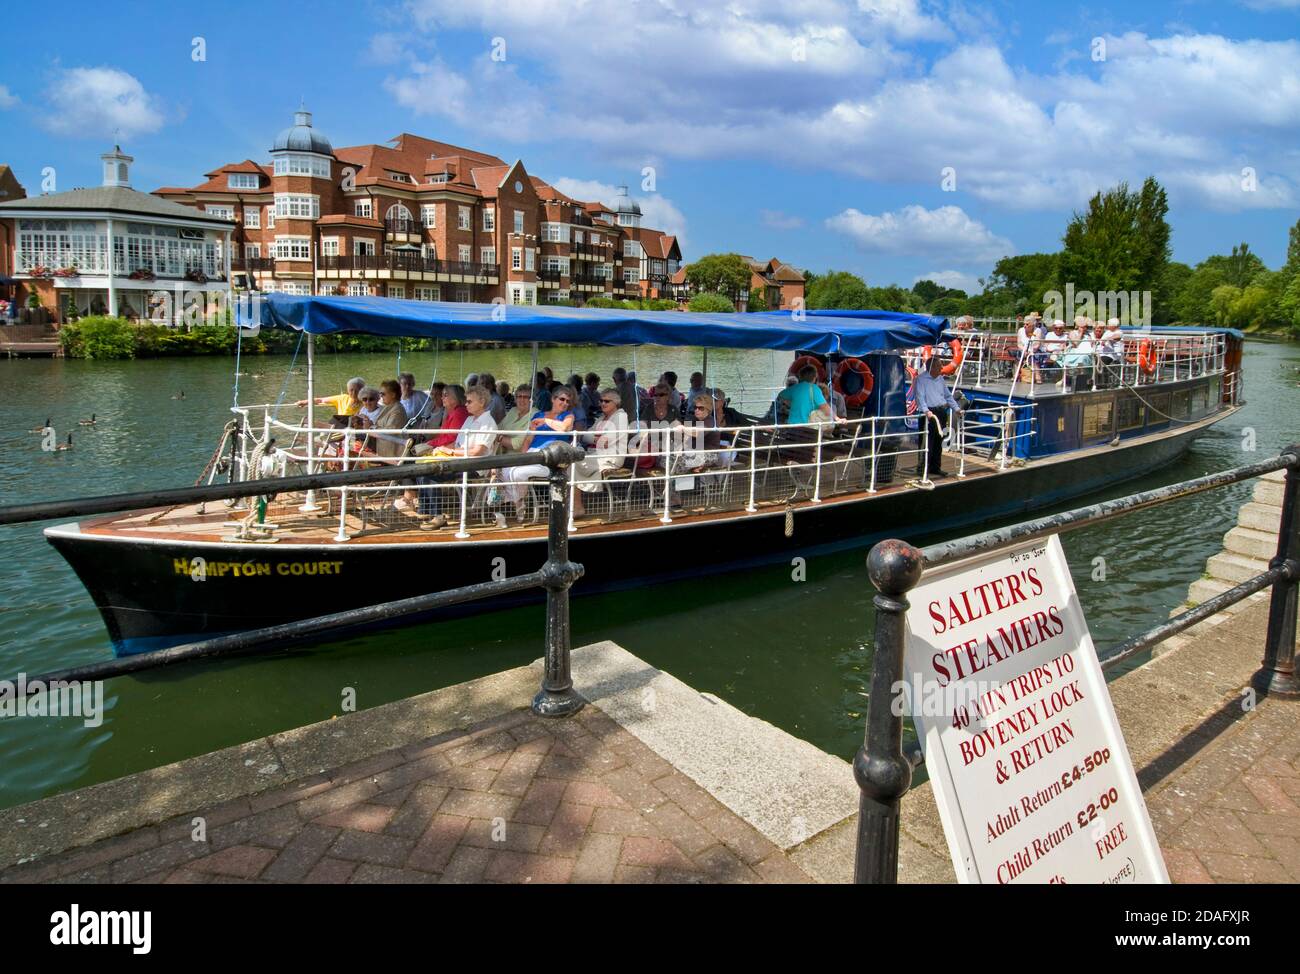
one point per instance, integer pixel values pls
(1147, 356)
(854, 381)
(958, 354)
(797, 365)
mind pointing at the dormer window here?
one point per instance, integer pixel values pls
(438, 179)
(241, 180)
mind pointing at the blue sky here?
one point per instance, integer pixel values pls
(818, 131)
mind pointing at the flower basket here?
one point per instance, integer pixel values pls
(70, 271)
(141, 274)
(41, 272)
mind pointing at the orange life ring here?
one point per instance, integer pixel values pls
(957, 355)
(863, 372)
(797, 365)
(1147, 356)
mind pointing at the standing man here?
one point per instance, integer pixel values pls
(935, 402)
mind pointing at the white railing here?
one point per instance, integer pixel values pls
(753, 465)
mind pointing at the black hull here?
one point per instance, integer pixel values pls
(149, 602)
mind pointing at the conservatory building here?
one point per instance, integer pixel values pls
(113, 250)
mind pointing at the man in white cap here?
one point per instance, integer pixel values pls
(1112, 344)
(1056, 344)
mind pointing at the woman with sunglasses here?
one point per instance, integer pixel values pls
(546, 426)
(606, 444)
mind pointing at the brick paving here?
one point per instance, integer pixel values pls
(1231, 813)
(515, 800)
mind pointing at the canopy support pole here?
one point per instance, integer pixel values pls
(309, 504)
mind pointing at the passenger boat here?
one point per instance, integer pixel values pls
(1029, 438)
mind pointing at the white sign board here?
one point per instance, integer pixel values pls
(1030, 772)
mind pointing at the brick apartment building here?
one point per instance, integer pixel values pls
(780, 283)
(417, 218)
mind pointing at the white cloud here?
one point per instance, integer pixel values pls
(780, 221)
(7, 98)
(100, 102)
(953, 279)
(657, 212)
(903, 19)
(946, 231)
(1233, 190)
(860, 102)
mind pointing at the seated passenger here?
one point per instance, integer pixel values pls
(453, 401)
(517, 420)
(546, 426)
(477, 435)
(700, 437)
(345, 404)
(414, 401)
(804, 399)
(391, 416)
(606, 444)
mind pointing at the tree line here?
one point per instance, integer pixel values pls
(1120, 243)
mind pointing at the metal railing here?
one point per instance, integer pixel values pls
(410, 263)
(884, 772)
(556, 698)
(646, 468)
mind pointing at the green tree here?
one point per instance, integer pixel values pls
(719, 272)
(928, 291)
(1192, 302)
(1239, 268)
(1293, 250)
(1289, 305)
(710, 301)
(1171, 283)
(949, 306)
(1121, 243)
(837, 289)
(1018, 284)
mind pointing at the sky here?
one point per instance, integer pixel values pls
(897, 139)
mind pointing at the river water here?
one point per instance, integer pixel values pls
(792, 653)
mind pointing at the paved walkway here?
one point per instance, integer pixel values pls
(514, 799)
(1232, 814)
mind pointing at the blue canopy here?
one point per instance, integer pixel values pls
(847, 333)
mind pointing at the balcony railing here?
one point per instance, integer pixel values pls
(550, 276)
(588, 279)
(402, 224)
(405, 262)
(588, 252)
(253, 264)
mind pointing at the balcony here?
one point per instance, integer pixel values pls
(588, 252)
(581, 220)
(588, 280)
(253, 264)
(403, 225)
(405, 265)
(549, 278)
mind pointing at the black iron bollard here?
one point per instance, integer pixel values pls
(1277, 675)
(557, 698)
(881, 770)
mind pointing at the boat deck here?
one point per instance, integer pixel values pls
(220, 523)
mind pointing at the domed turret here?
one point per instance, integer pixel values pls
(627, 209)
(301, 137)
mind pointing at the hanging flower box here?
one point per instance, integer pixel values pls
(70, 271)
(196, 276)
(141, 274)
(41, 272)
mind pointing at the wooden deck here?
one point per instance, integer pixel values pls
(186, 523)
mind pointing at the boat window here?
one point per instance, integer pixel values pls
(1097, 419)
(1182, 404)
(1159, 407)
(1216, 390)
(1132, 413)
